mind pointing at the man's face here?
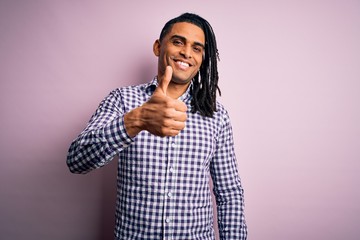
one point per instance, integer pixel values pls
(182, 49)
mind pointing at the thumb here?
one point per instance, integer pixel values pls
(165, 80)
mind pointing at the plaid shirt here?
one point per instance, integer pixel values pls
(163, 183)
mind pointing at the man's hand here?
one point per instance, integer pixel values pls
(161, 115)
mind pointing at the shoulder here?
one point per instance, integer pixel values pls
(139, 89)
(133, 96)
(133, 88)
(221, 114)
(130, 91)
(221, 120)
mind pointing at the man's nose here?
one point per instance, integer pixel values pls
(186, 51)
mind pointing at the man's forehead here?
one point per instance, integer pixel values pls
(187, 30)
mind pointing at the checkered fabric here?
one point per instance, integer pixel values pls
(163, 183)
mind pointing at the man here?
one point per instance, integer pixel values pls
(171, 135)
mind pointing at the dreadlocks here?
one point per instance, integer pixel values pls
(205, 82)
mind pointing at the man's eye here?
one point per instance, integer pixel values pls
(197, 49)
(177, 42)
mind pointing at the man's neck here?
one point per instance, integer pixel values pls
(176, 90)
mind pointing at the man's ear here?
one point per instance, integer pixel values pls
(156, 47)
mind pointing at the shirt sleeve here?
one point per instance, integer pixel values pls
(103, 138)
(228, 191)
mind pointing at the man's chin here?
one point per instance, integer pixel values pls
(181, 81)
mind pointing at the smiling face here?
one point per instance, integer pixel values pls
(182, 49)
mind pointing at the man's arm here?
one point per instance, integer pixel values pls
(110, 130)
(104, 137)
(227, 187)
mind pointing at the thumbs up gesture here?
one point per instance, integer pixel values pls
(161, 115)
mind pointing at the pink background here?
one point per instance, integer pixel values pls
(290, 77)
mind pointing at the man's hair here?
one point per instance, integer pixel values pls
(205, 82)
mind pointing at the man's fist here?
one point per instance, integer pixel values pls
(161, 115)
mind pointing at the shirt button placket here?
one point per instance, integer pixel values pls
(169, 194)
(170, 181)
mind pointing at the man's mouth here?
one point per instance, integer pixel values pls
(182, 65)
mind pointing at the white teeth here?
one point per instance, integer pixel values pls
(183, 64)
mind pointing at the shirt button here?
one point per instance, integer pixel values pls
(167, 220)
(172, 169)
(173, 144)
(169, 194)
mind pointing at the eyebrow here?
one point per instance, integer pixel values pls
(184, 39)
